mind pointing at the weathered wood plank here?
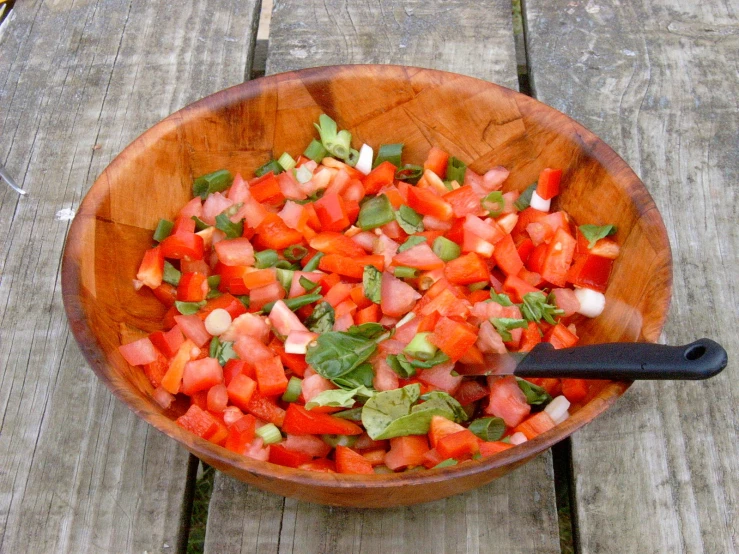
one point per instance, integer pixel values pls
(78, 471)
(499, 517)
(657, 80)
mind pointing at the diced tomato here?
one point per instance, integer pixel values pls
(370, 314)
(428, 203)
(382, 175)
(420, 257)
(560, 337)
(167, 342)
(453, 337)
(273, 233)
(441, 427)
(260, 296)
(294, 362)
(535, 425)
(155, 372)
(323, 465)
(537, 257)
(193, 328)
(507, 400)
(432, 458)
(299, 421)
(464, 201)
(436, 161)
(139, 352)
(406, 452)
(227, 302)
(517, 288)
(280, 455)
(193, 287)
(151, 269)
(233, 252)
(466, 270)
(348, 461)
(271, 377)
(201, 375)
(166, 294)
(459, 445)
(358, 297)
(185, 224)
(548, 184)
(397, 298)
(183, 245)
(440, 377)
(241, 433)
(469, 392)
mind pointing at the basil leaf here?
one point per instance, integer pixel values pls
(488, 428)
(412, 241)
(322, 318)
(392, 413)
(535, 395)
(338, 398)
(594, 233)
(400, 365)
(371, 331)
(188, 308)
(502, 299)
(360, 376)
(535, 307)
(409, 220)
(438, 358)
(337, 353)
(355, 414)
(371, 280)
(225, 352)
(504, 325)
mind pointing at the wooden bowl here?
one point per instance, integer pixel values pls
(243, 127)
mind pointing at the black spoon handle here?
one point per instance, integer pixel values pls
(626, 361)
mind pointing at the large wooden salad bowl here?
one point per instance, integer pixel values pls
(243, 127)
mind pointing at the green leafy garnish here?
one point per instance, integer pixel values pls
(501, 298)
(322, 318)
(336, 353)
(371, 283)
(222, 351)
(360, 376)
(400, 365)
(504, 325)
(488, 428)
(188, 308)
(395, 413)
(409, 219)
(338, 398)
(536, 307)
(413, 240)
(371, 331)
(535, 395)
(212, 182)
(524, 201)
(596, 232)
(232, 230)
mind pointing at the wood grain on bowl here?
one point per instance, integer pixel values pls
(245, 126)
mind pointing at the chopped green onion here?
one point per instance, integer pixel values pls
(272, 166)
(446, 249)
(213, 293)
(409, 173)
(270, 433)
(284, 264)
(213, 348)
(232, 230)
(403, 272)
(389, 153)
(409, 219)
(294, 388)
(171, 274)
(200, 225)
(477, 286)
(303, 174)
(593, 233)
(455, 170)
(494, 203)
(524, 201)
(188, 308)
(412, 241)
(307, 284)
(294, 303)
(449, 462)
(163, 230)
(315, 151)
(295, 253)
(286, 161)
(214, 281)
(353, 157)
(420, 348)
(244, 299)
(312, 264)
(212, 182)
(488, 428)
(375, 212)
(338, 143)
(339, 440)
(285, 278)
(265, 259)
(355, 414)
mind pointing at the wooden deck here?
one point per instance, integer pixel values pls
(79, 79)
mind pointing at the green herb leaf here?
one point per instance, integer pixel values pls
(337, 353)
(400, 365)
(225, 352)
(488, 428)
(409, 220)
(412, 241)
(535, 307)
(501, 298)
(212, 182)
(338, 398)
(504, 325)
(360, 376)
(370, 331)
(595, 232)
(244, 299)
(392, 413)
(188, 308)
(524, 201)
(535, 395)
(371, 280)
(322, 318)
(355, 414)
(232, 230)
(389, 153)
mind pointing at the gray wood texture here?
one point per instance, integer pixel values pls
(78, 81)
(658, 81)
(514, 514)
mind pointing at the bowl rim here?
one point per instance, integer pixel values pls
(230, 462)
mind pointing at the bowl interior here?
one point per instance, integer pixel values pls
(243, 127)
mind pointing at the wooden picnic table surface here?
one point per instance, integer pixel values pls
(80, 79)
